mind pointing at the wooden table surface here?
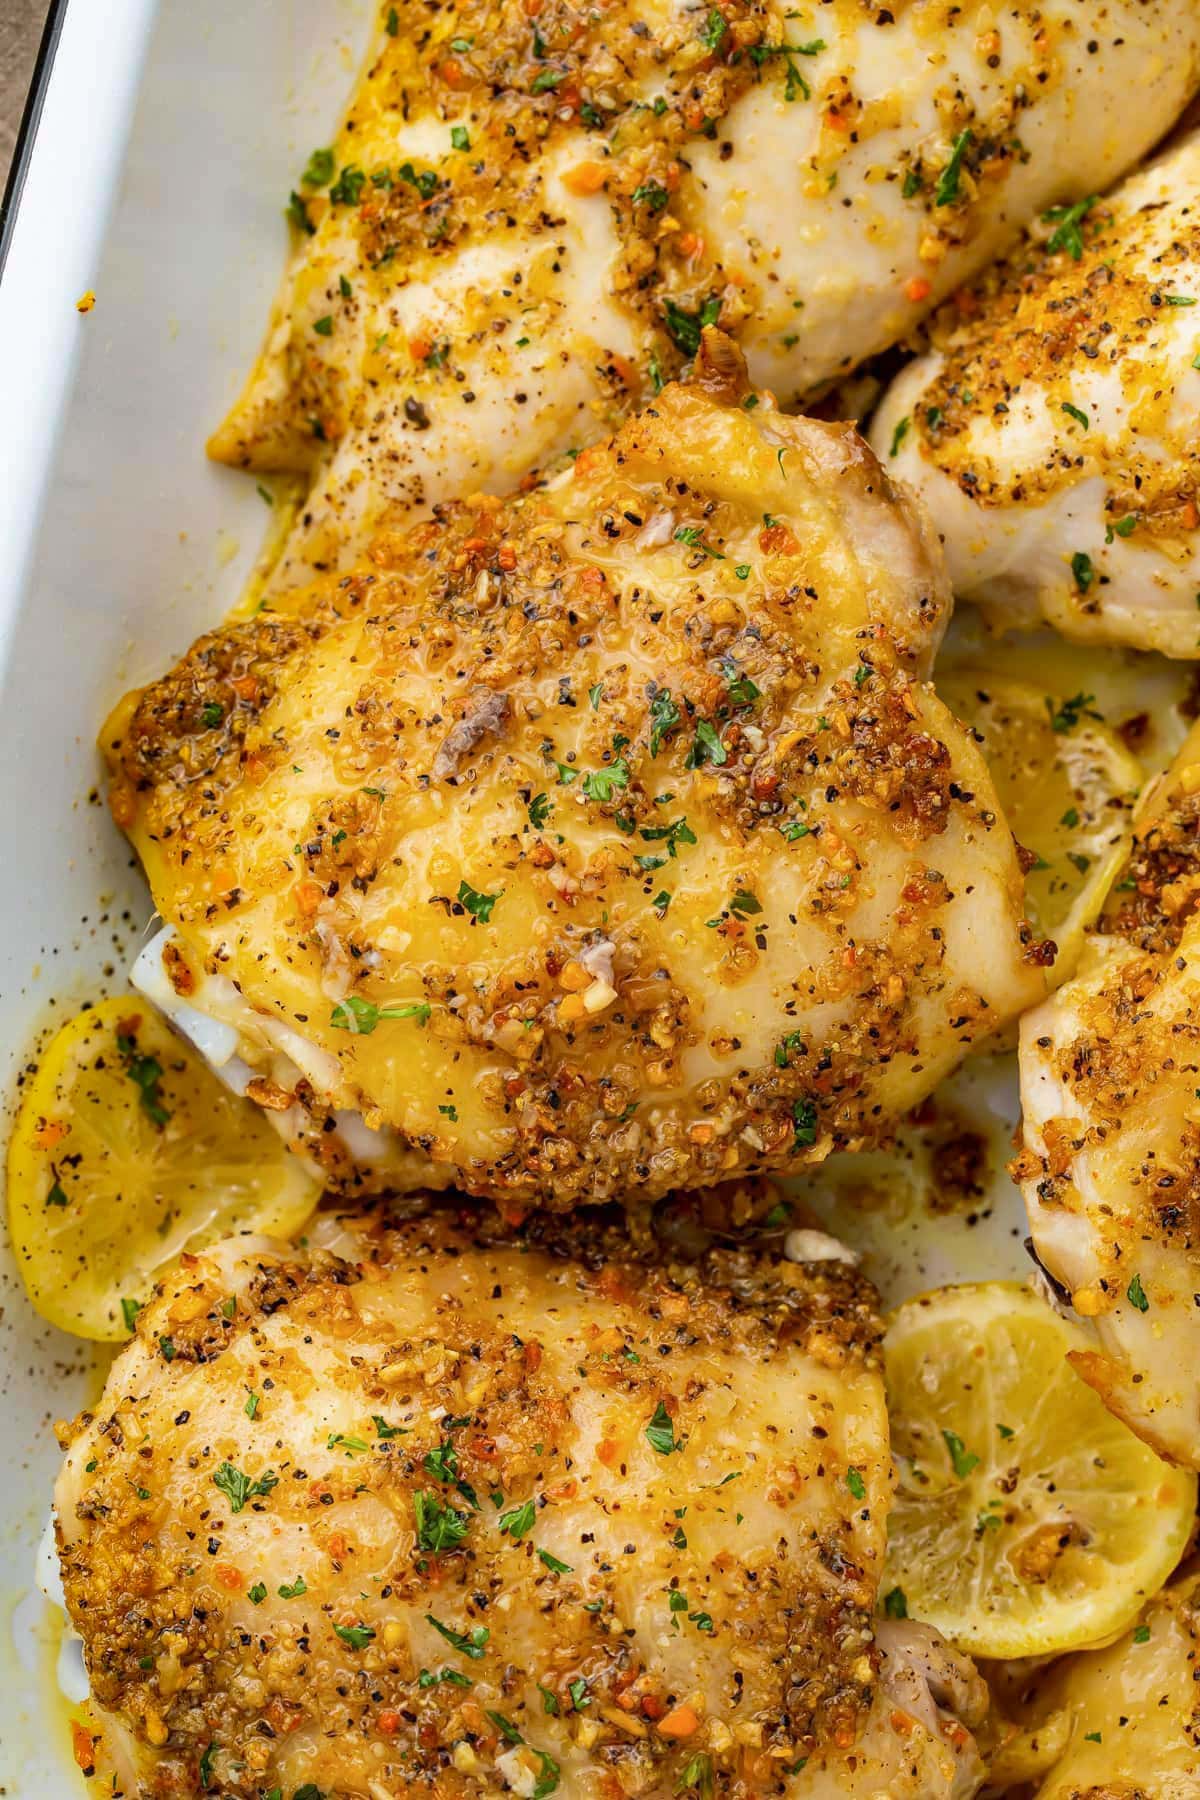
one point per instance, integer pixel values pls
(21, 23)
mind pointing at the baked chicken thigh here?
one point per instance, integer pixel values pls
(1053, 435)
(605, 841)
(1110, 1087)
(1132, 1710)
(419, 1511)
(530, 211)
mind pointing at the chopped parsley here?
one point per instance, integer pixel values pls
(347, 189)
(478, 905)
(1066, 221)
(712, 34)
(552, 1563)
(339, 1440)
(855, 1483)
(129, 1312)
(601, 784)
(1077, 413)
(697, 1775)
(439, 1527)
(796, 86)
(804, 1121)
(1142, 1635)
(1082, 570)
(742, 691)
(685, 327)
(319, 172)
(519, 1522)
(292, 1590)
(651, 195)
(452, 1678)
(1066, 716)
(664, 717)
(677, 832)
(540, 808)
(442, 1464)
(146, 1073)
(706, 747)
(963, 1460)
(1135, 1293)
(693, 537)
(900, 433)
(357, 1636)
(460, 138)
(947, 190)
(895, 1603)
(361, 1016)
(660, 1432)
(238, 1487)
(470, 1643)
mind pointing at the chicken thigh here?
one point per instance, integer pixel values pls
(1132, 1710)
(1053, 435)
(420, 1509)
(530, 211)
(1110, 1087)
(600, 842)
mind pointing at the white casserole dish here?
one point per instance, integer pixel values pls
(168, 140)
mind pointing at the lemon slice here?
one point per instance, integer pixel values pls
(1067, 785)
(1028, 1520)
(126, 1151)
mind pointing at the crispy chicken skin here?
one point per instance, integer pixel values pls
(1132, 1711)
(603, 841)
(528, 212)
(422, 1509)
(1053, 434)
(1110, 1079)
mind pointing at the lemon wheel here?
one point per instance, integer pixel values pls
(1067, 785)
(127, 1150)
(1028, 1519)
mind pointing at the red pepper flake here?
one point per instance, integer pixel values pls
(83, 1748)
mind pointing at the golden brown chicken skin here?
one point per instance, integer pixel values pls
(530, 210)
(426, 1510)
(1110, 1087)
(606, 840)
(1051, 431)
